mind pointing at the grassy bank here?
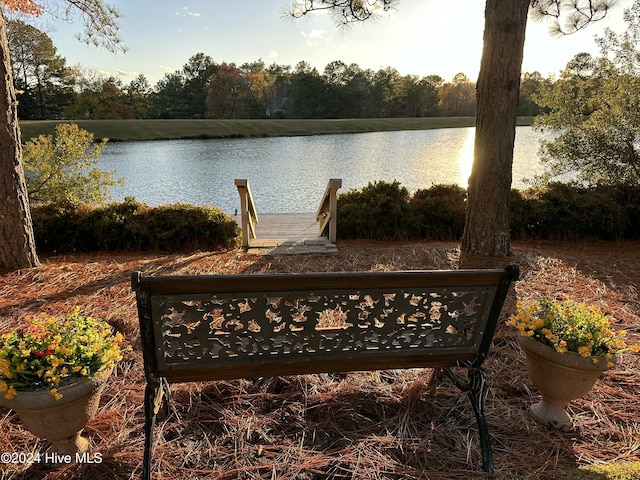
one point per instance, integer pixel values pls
(135, 130)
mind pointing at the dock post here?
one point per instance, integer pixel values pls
(248, 214)
(327, 213)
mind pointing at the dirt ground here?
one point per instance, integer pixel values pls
(373, 425)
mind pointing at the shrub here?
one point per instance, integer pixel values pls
(131, 226)
(628, 197)
(524, 215)
(440, 212)
(384, 211)
(381, 211)
(57, 224)
(569, 211)
(114, 227)
(180, 226)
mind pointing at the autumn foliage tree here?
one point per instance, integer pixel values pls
(225, 89)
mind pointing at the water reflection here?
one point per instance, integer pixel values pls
(290, 174)
(465, 158)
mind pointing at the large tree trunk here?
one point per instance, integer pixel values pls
(486, 229)
(17, 245)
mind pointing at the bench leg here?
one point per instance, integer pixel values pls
(475, 388)
(156, 397)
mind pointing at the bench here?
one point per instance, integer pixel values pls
(220, 327)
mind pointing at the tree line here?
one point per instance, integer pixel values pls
(202, 88)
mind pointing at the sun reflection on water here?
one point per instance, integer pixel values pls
(465, 158)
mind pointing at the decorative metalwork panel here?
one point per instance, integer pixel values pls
(247, 327)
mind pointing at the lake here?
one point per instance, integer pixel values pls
(290, 174)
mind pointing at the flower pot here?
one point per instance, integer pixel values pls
(61, 421)
(560, 378)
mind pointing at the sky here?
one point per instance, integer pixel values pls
(420, 37)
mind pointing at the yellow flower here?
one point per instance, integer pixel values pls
(48, 350)
(5, 367)
(537, 323)
(54, 392)
(11, 392)
(585, 351)
(568, 326)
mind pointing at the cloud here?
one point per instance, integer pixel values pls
(314, 34)
(317, 37)
(272, 54)
(124, 73)
(167, 68)
(185, 12)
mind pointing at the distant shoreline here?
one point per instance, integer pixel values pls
(140, 130)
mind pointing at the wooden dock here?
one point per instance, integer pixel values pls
(289, 234)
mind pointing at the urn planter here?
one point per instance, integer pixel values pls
(60, 422)
(560, 378)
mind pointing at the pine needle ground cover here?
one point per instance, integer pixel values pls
(370, 425)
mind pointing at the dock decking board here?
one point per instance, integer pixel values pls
(289, 233)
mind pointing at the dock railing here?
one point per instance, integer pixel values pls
(249, 216)
(327, 213)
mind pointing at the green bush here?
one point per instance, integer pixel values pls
(131, 226)
(57, 224)
(628, 197)
(190, 227)
(385, 211)
(381, 211)
(114, 227)
(524, 219)
(569, 211)
(440, 212)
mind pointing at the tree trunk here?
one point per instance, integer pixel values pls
(486, 230)
(17, 245)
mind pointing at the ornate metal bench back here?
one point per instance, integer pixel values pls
(216, 326)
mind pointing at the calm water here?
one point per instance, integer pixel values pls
(290, 174)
